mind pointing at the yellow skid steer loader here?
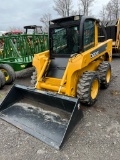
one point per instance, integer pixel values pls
(67, 75)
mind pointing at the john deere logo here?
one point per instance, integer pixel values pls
(98, 51)
(94, 54)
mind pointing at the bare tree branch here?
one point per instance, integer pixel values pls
(45, 20)
(84, 6)
(111, 10)
(103, 14)
(115, 8)
(63, 7)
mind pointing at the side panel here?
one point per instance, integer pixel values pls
(87, 61)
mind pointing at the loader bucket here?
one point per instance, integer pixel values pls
(46, 116)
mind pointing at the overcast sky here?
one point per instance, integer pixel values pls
(18, 13)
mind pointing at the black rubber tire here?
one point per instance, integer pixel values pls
(34, 78)
(103, 70)
(84, 87)
(2, 80)
(8, 72)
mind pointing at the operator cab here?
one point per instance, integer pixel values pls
(33, 29)
(64, 35)
(71, 35)
(65, 40)
(68, 37)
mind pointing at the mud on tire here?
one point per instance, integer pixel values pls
(8, 73)
(104, 70)
(88, 88)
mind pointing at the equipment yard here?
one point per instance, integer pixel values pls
(95, 137)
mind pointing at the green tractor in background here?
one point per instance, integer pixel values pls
(17, 51)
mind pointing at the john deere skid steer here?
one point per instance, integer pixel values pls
(67, 75)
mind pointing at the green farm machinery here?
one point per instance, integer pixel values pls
(17, 50)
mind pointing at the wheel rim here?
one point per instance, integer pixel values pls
(94, 89)
(108, 75)
(5, 74)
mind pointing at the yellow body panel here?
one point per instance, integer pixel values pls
(78, 64)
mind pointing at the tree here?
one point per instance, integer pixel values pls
(73, 13)
(84, 6)
(115, 8)
(63, 7)
(103, 13)
(109, 11)
(45, 20)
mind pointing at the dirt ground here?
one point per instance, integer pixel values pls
(96, 137)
